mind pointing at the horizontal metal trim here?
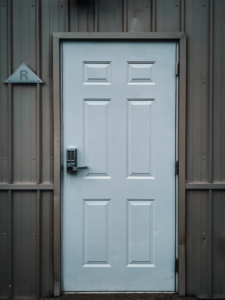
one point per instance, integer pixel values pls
(205, 186)
(118, 35)
(26, 187)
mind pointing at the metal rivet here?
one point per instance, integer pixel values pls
(4, 233)
(5, 180)
(203, 293)
(34, 233)
(204, 4)
(33, 180)
(51, 233)
(52, 157)
(4, 294)
(3, 5)
(5, 158)
(203, 233)
(61, 5)
(204, 157)
(33, 157)
(203, 179)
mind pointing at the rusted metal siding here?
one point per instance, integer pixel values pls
(26, 129)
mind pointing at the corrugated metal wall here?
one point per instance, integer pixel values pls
(26, 130)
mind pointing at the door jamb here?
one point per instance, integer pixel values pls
(58, 37)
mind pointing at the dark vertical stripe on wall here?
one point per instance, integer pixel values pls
(38, 205)
(4, 91)
(182, 14)
(153, 17)
(10, 119)
(10, 239)
(4, 245)
(10, 159)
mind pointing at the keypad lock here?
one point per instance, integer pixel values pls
(72, 161)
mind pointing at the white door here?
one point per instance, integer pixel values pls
(118, 216)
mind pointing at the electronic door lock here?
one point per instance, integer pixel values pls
(71, 166)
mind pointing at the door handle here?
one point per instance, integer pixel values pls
(71, 169)
(71, 166)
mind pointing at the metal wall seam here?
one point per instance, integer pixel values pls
(124, 25)
(67, 15)
(38, 212)
(38, 105)
(38, 117)
(9, 24)
(182, 16)
(211, 29)
(153, 17)
(10, 91)
(10, 246)
(96, 17)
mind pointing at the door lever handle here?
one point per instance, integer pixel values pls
(72, 169)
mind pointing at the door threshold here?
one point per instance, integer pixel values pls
(120, 292)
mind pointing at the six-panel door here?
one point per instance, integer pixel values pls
(118, 216)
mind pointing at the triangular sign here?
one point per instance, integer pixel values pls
(23, 75)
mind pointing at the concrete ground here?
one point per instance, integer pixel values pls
(127, 296)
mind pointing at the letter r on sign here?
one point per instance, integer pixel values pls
(23, 73)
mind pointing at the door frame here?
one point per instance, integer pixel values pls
(179, 37)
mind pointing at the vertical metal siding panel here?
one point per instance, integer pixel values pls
(198, 243)
(16, 93)
(45, 91)
(61, 16)
(3, 93)
(24, 240)
(24, 96)
(196, 25)
(17, 242)
(167, 15)
(73, 16)
(219, 92)
(33, 94)
(86, 16)
(4, 243)
(49, 13)
(110, 15)
(219, 244)
(139, 15)
(47, 244)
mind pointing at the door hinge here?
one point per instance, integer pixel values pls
(176, 265)
(177, 167)
(177, 68)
